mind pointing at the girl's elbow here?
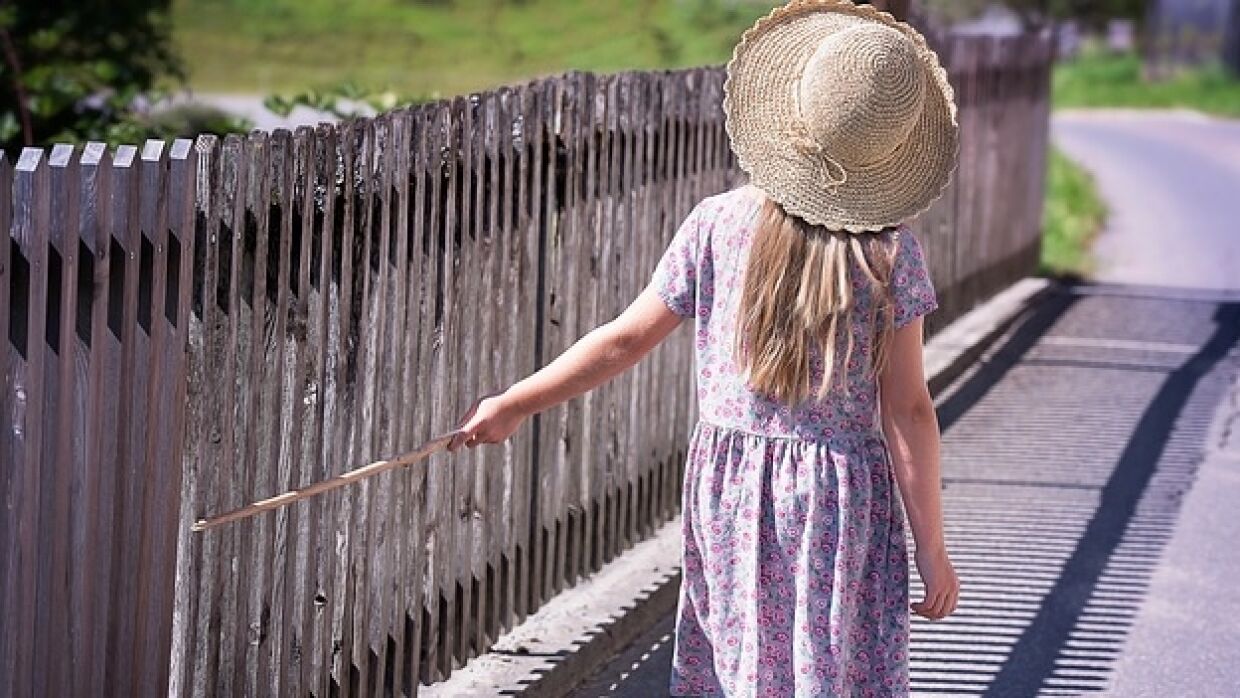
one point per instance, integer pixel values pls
(625, 346)
(917, 408)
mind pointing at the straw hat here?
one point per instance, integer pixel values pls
(841, 114)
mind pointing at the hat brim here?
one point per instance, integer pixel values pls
(759, 110)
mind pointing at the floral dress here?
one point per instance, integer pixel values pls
(795, 571)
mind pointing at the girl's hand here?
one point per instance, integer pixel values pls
(491, 420)
(942, 585)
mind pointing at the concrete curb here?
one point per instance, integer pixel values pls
(583, 628)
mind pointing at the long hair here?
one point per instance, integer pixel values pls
(798, 294)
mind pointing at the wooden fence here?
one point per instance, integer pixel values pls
(192, 326)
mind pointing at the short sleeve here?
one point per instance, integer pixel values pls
(911, 288)
(675, 277)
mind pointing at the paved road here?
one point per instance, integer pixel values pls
(1092, 458)
(1173, 181)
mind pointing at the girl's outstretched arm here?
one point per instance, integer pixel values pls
(603, 353)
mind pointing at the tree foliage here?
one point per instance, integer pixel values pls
(73, 70)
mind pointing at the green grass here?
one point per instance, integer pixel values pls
(429, 48)
(1097, 79)
(1072, 216)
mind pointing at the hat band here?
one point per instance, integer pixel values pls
(807, 145)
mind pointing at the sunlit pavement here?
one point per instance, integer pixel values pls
(1172, 180)
(1092, 458)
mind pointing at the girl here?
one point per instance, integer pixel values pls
(807, 294)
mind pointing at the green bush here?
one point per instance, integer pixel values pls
(73, 70)
(1099, 79)
(1073, 215)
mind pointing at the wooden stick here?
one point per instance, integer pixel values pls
(434, 445)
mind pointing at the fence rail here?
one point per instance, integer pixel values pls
(191, 326)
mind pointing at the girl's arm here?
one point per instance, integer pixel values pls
(912, 430)
(596, 358)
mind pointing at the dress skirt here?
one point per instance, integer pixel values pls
(795, 570)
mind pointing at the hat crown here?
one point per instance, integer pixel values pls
(861, 93)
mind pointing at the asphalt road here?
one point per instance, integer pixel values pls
(1172, 180)
(1091, 460)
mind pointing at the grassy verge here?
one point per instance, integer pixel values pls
(1073, 215)
(429, 48)
(1097, 79)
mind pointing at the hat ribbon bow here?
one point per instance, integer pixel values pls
(807, 145)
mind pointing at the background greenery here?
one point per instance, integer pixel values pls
(73, 70)
(88, 69)
(1101, 79)
(428, 48)
(1073, 215)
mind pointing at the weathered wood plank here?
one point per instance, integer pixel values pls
(191, 171)
(232, 343)
(253, 438)
(482, 308)
(550, 493)
(584, 466)
(646, 121)
(55, 586)
(416, 388)
(400, 404)
(466, 335)
(388, 641)
(521, 271)
(527, 237)
(301, 413)
(24, 422)
(438, 485)
(172, 535)
(385, 298)
(8, 524)
(596, 447)
(210, 443)
(376, 333)
(130, 385)
(497, 477)
(276, 449)
(89, 555)
(352, 266)
(624, 288)
(154, 569)
(362, 423)
(328, 175)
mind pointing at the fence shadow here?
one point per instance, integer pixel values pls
(1057, 522)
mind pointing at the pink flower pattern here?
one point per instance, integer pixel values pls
(795, 571)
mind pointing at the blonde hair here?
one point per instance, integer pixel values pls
(798, 293)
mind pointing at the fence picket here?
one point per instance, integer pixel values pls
(8, 280)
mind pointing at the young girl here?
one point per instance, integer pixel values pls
(807, 294)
